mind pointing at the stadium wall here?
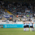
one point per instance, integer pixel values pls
(14, 25)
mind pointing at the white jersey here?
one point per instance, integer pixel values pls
(31, 24)
(25, 24)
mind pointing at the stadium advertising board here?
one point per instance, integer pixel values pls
(13, 25)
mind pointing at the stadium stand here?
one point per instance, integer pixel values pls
(23, 11)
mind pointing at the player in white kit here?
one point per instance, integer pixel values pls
(24, 26)
(27, 27)
(31, 25)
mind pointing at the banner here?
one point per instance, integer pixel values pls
(11, 16)
(8, 16)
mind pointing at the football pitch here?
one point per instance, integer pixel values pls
(15, 31)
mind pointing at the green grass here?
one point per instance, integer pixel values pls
(15, 31)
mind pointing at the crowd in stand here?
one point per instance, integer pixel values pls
(18, 6)
(19, 9)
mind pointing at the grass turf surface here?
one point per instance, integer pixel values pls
(15, 31)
